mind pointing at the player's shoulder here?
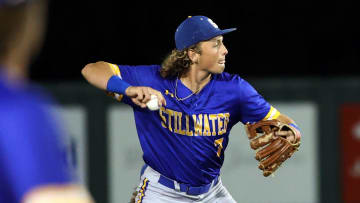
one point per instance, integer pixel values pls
(233, 83)
(226, 78)
(142, 68)
(153, 69)
(142, 72)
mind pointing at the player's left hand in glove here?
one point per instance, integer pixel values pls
(275, 142)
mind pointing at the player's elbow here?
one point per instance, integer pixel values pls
(92, 68)
(87, 70)
(97, 74)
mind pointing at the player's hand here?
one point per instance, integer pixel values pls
(286, 134)
(140, 95)
(289, 135)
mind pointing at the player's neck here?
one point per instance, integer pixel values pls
(15, 69)
(195, 80)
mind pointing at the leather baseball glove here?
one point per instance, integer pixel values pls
(274, 141)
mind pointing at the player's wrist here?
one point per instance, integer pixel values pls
(128, 90)
(117, 85)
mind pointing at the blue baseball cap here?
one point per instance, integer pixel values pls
(196, 29)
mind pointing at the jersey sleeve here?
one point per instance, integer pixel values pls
(141, 75)
(32, 152)
(252, 106)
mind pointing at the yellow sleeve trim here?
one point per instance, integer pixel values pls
(119, 97)
(272, 114)
(269, 113)
(116, 69)
(277, 114)
(116, 96)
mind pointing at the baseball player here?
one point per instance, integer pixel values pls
(34, 167)
(184, 141)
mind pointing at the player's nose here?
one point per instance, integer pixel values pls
(225, 51)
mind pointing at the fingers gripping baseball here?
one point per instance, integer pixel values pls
(142, 95)
(160, 97)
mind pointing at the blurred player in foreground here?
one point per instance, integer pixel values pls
(185, 139)
(33, 156)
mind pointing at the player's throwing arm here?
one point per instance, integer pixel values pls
(103, 76)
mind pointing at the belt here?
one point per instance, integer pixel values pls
(190, 190)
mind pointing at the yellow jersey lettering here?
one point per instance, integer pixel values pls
(204, 124)
(197, 125)
(176, 130)
(163, 119)
(177, 123)
(206, 131)
(226, 121)
(188, 131)
(213, 117)
(220, 123)
(170, 113)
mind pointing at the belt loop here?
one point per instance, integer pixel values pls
(214, 182)
(143, 170)
(176, 186)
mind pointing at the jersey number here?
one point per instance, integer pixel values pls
(218, 143)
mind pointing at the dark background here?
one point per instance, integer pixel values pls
(274, 38)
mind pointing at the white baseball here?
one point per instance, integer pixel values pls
(152, 104)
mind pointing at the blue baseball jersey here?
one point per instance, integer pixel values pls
(32, 152)
(186, 140)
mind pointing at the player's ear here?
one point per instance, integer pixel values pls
(193, 55)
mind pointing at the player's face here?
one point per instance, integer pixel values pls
(212, 57)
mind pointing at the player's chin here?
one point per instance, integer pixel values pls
(219, 69)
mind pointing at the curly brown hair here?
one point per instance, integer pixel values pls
(177, 62)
